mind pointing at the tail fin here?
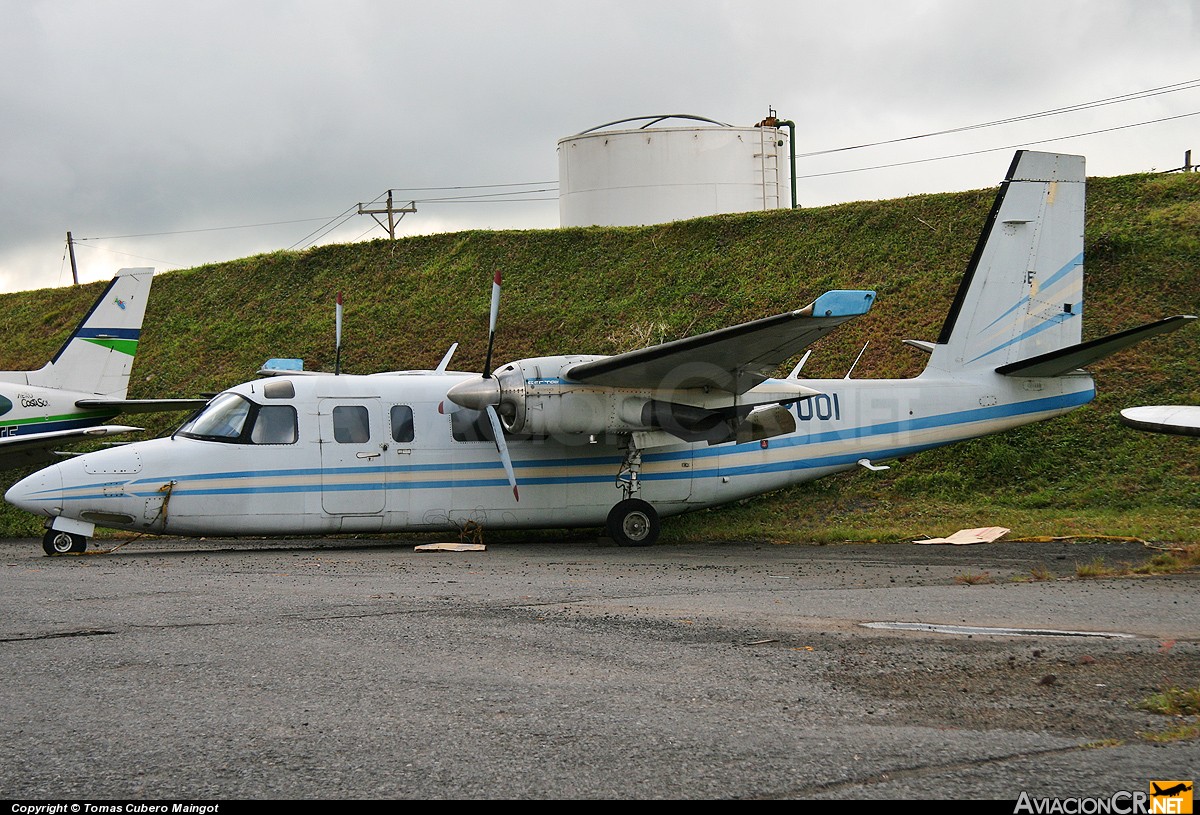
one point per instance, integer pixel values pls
(98, 356)
(1022, 294)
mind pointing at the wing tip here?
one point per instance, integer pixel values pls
(842, 303)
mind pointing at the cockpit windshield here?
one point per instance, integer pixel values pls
(233, 418)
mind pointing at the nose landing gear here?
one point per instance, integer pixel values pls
(57, 542)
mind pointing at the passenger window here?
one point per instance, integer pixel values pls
(470, 425)
(276, 424)
(350, 424)
(402, 423)
(279, 389)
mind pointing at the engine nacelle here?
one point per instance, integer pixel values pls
(536, 399)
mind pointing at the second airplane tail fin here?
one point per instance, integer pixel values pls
(98, 356)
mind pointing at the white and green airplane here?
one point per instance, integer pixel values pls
(85, 383)
(613, 441)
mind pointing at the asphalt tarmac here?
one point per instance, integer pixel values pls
(362, 669)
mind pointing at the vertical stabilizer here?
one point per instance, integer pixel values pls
(98, 356)
(1022, 294)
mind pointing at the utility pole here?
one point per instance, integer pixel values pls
(71, 252)
(391, 213)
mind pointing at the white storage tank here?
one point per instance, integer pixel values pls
(670, 168)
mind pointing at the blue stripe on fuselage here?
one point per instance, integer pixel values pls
(148, 487)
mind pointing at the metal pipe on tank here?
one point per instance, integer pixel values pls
(772, 121)
(791, 126)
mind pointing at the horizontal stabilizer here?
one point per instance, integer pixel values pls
(1074, 357)
(143, 405)
(733, 359)
(1181, 420)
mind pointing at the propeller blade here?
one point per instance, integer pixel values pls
(487, 365)
(338, 321)
(337, 336)
(502, 449)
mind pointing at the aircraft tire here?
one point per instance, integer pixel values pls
(633, 522)
(60, 543)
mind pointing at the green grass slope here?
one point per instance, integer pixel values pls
(604, 290)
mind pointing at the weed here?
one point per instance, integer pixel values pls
(1173, 702)
(1183, 732)
(1040, 572)
(1099, 568)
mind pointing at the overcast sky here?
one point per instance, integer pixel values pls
(170, 134)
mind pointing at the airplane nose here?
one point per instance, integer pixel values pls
(40, 493)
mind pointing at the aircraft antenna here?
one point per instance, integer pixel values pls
(857, 358)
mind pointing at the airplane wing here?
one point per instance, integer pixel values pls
(733, 359)
(1182, 420)
(36, 448)
(143, 405)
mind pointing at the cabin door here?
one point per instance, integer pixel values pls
(353, 443)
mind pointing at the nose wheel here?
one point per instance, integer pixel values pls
(56, 542)
(633, 522)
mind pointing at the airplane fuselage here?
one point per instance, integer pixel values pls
(28, 409)
(374, 453)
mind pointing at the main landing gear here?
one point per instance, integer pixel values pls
(56, 542)
(632, 522)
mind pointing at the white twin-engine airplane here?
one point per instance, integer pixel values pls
(621, 441)
(85, 384)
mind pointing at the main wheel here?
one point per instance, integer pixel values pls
(633, 522)
(60, 543)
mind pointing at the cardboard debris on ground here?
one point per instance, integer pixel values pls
(984, 534)
(450, 547)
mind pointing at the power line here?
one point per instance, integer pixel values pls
(330, 225)
(128, 255)
(481, 201)
(493, 195)
(995, 149)
(1190, 84)
(474, 186)
(206, 229)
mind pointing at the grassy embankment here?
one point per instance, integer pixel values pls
(603, 290)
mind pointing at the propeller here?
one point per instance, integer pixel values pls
(483, 394)
(502, 449)
(337, 339)
(487, 364)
